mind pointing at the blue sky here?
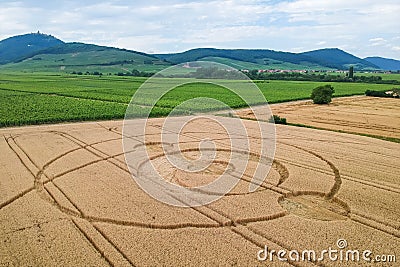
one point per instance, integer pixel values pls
(362, 27)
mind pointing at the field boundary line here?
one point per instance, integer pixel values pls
(91, 241)
(374, 225)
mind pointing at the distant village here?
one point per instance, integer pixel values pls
(316, 71)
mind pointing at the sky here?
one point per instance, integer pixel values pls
(361, 27)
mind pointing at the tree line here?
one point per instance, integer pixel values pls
(134, 73)
(321, 77)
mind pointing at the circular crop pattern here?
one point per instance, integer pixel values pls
(314, 205)
(186, 177)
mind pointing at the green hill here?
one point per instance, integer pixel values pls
(80, 57)
(38, 52)
(17, 47)
(269, 59)
(339, 59)
(384, 63)
(262, 58)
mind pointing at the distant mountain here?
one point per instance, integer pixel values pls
(260, 57)
(339, 59)
(75, 47)
(42, 52)
(318, 59)
(51, 54)
(16, 47)
(384, 63)
(249, 55)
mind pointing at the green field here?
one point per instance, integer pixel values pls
(385, 76)
(50, 98)
(104, 60)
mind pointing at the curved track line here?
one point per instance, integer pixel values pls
(279, 167)
(334, 190)
(113, 221)
(39, 186)
(107, 157)
(391, 187)
(336, 186)
(118, 222)
(129, 223)
(344, 177)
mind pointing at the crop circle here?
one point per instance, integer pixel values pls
(155, 94)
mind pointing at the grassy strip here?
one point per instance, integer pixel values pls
(390, 139)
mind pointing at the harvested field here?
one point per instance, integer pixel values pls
(359, 114)
(68, 199)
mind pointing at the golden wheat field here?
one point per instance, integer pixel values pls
(67, 198)
(357, 114)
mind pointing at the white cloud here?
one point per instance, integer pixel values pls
(15, 19)
(224, 34)
(378, 41)
(363, 27)
(145, 43)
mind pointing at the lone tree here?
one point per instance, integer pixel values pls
(322, 94)
(351, 72)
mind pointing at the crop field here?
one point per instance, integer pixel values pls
(385, 76)
(68, 199)
(371, 116)
(46, 98)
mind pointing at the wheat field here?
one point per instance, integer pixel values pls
(67, 198)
